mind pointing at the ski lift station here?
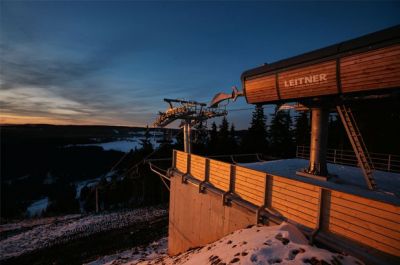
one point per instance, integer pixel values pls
(345, 208)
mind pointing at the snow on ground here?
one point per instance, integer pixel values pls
(283, 244)
(38, 207)
(128, 143)
(30, 223)
(123, 145)
(79, 185)
(346, 176)
(155, 250)
(60, 230)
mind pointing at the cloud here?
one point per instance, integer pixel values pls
(25, 100)
(22, 66)
(64, 84)
(61, 69)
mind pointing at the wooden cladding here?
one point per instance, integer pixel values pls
(311, 81)
(295, 200)
(198, 167)
(181, 161)
(366, 71)
(261, 89)
(360, 219)
(377, 69)
(372, 223)
(220, 174)
(250, 185)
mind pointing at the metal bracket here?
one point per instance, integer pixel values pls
(202, 187)
(260, 217)
(170, 172)
(185, 178)
(226, 200)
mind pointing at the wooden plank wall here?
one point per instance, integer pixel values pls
(366, 71)
(363, 220)
(181, 161)
(261, 89)
(371, 70)
(198, 167)
(295, 200)
(370, 222)
(220, 174)
(322, 88)
(250, 185)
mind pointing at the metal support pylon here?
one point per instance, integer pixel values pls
(191, 113)
(357, 142)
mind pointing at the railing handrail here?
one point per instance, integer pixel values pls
(381, 161)
(350, 151)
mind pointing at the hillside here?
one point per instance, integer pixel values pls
(283, 244)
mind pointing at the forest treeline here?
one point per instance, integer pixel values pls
(278, 134)
(34, 167)
(275, 136)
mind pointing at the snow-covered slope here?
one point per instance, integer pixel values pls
(283, 244)
(29, 236)
(38, 207)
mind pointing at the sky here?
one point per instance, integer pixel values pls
(113, 62)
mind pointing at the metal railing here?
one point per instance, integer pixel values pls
(384, 162)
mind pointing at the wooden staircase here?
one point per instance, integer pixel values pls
(357, 142)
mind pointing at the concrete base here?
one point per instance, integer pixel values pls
(196, 219)
(308, 175)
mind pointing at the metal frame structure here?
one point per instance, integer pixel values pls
(191, 113)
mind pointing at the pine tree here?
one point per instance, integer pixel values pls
(281, 134)
(232, 139)
(337, 137)
(302, 129)
(212, 145)
(201, 135)
(223, 133)
(223, 137)
(255, 140)
(147, 146)
(200, 139)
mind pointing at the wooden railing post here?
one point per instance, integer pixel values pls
(174, 158)
(226, 200)
(185, 175)
(207, 170)
(206, 175)
(260, 218)
(188, 166)
(232, 178)
(323, 209)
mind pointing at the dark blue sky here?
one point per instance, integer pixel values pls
(107, 62)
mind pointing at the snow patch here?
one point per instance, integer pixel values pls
(46, 232)
(283, 244)
(124, 146)
(155, 250)
(37, 208)
(79, 185)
